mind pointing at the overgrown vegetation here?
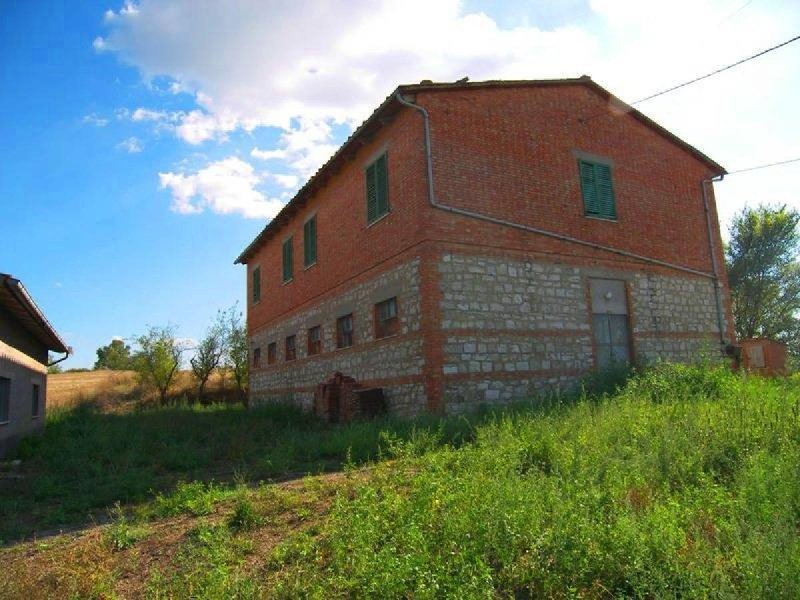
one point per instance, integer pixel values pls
(683, 483)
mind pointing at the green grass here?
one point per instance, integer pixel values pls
(687, 483)
(684, 482)
(87, 461)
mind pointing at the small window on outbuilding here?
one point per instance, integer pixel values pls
(272, 353)
(344, 331)
(386, 320)
(377, 183)
(35, 401)
(288, 264)
(5, 399)
(256, 284)
(310, 242)
(597, 190)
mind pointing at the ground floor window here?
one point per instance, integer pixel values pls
(344, 331)
(386, 320)
(256, 358)
(291, 348)
(272, 353)
(314, 340)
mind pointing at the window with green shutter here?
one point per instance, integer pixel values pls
(377, 176)
(288, 266)
(310, 242)
(256, 284)
(598, 191)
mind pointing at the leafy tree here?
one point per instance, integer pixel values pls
(209, 353)
(158, 358)
(237, 351)
(116, 356)
(764, 274)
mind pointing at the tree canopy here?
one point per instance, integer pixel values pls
(116, 356)
(764, 274)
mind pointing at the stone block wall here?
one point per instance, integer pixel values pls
(394, 363)
(514, 328)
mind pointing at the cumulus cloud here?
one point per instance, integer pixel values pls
(132, 145)
(307, 65)
(94, 119)
(227, 186)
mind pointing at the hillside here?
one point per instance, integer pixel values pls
(683, 483)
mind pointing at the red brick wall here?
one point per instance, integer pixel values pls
(505, 152)
(346, 247)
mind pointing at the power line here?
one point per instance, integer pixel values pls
(720, 70)
(775, 164)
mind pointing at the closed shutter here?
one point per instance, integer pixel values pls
(591, 204)
(310, 242)
(372, 194)
(377, 184)
(382, 185)
(597, 190)
(256, 284)
(605, 191)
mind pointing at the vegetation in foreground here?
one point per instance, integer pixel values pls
(683, 483)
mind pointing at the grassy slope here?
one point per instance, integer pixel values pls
(685, 483)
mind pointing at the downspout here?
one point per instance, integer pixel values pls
(551, 234)
(63, 358)
(714, 266)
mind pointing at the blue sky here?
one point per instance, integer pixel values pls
(144, 144)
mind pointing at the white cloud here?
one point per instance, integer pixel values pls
(306, 65)
(132, 145)
(228, 186)
(94, 119)
(287, 181)
(147, 114)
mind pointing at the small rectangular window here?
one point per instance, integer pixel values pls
(288, 266)
(272, 353)
(386, 320)
(344, 331)
(5, 399)
(310, 242)
(291, 349)
(35, 401)
(256, 358)
(314, 340)
(377, 184)
(597, 190)
(256, 284)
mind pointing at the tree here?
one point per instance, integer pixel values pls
(158, 358)
(116, 356)
(209, 353)
(764, 274)
(237, 354)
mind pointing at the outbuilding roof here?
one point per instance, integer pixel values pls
(17, 301)
(390, 106)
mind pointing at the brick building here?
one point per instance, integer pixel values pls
(474, 243)
(25, 338)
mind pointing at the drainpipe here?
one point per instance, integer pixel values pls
(714, 266)
(551, 234)
(63, 358)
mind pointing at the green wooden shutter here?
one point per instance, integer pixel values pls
(310, 242)
(605, 191)
(591, 203)
(382, 185)
(372, 194)
(287, 260)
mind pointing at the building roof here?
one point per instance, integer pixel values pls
(390, 106)
(17, 301)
